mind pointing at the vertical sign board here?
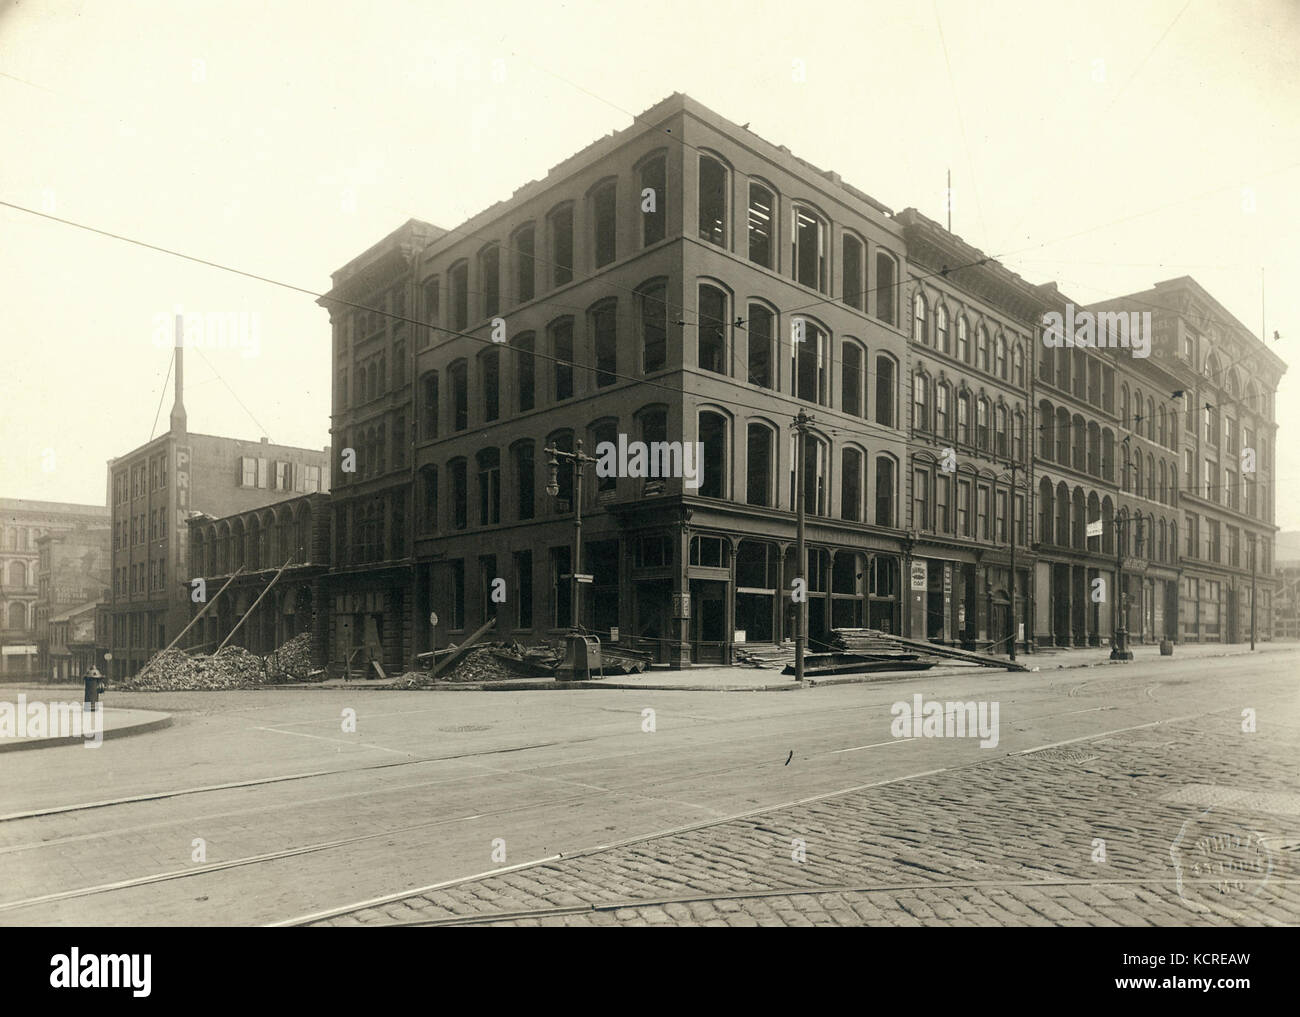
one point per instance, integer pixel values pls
(180, 532)
(947, 600)
(920, 581)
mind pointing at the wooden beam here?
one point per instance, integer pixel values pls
(255, 603)
(454, 657)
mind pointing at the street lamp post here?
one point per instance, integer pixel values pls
(578, 462)
(1254, 543)
(801, 422)
(1120, 651)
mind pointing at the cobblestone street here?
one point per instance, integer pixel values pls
(1010, 841)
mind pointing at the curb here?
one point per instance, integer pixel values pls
(156, 724)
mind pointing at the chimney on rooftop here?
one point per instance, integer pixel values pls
(178, 419)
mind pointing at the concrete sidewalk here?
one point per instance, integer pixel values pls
(117, 723)
(754, 679)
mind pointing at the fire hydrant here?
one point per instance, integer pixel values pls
(94, 682)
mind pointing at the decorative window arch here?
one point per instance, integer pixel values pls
(886, 390)
(920, 329)
(809, 238)
(714, 430)
(943, 340)
(761, 350)
(714, 200)
(760, 463)
(853, 366)
(652, 324)
(886, 287)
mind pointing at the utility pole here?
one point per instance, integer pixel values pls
(1254, 543)
(801, 422)
(1120, 650)
(578, 462)
(1015, 628)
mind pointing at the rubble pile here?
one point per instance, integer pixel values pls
(491, 662)
(292, 661)
(232, 668)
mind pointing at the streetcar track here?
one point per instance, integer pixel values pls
(485, 918)
(344, 842)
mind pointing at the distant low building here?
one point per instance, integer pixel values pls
(22, 524)
(73, 568)
(154, 489)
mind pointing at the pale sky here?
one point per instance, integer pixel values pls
(1105, 145)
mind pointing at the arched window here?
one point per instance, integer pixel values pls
(428, 506)
(944, 341)
(714, 188)
(886, 490)
(963, 417)
(523, 243)
(1047, 415)
(920, 333)
(1063, 436)
(963, 340)
(1046, 512)
(760, 327)
(1000, 444)
(886, 285)
(982, 423)
(982, 347)
(523, 346)
(810, 361)
(1094, 513)
(714, 481)
(652, 313)
(604, 432)
(458, 283)
(602, 209)
(1018, 362)
(1062, 515)
(489, 372)
(489, 486)
(714, 328)
(808, 247)
(815, 474)
(523, 459)
(886, 383)
(762, 224)
(1000, 356)
(489, 276)
(560, 333)
(942, 411)
(851, 484)
(852, 394)
(654, 177)
(853, 265)
(429, 405)
(603, 322)
(559, 226)
(760, 445)
(920, 401)
(1123, 406)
